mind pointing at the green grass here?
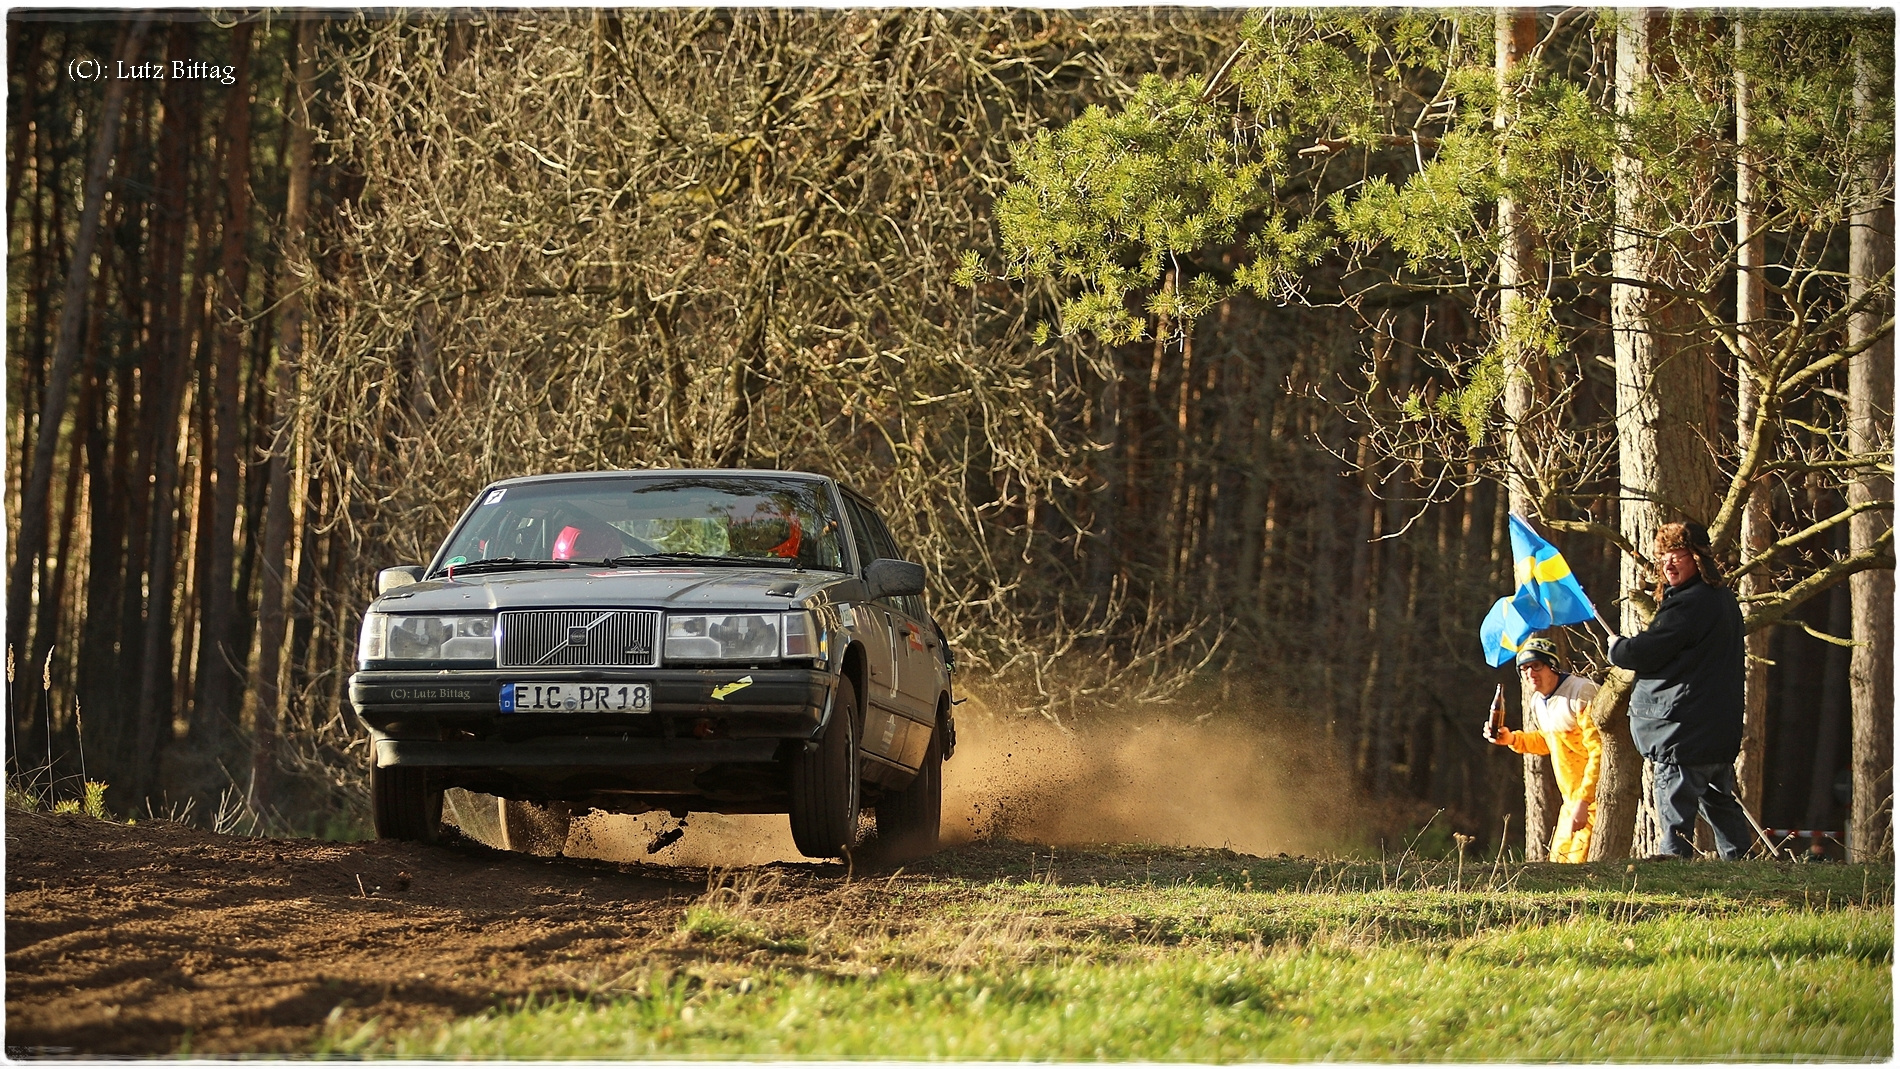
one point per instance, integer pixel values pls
(1748, 961)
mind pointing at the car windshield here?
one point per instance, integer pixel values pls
(737, 519)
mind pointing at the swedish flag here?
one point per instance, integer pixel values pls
(1511, 621)
(1547, 595)
(1544, 576)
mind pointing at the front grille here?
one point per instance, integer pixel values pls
(590, 638)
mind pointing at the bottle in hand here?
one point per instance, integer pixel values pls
(1496, 723)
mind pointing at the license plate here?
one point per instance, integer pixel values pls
(576, 698)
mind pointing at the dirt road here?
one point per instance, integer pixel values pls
(155, 938)
(146, 939)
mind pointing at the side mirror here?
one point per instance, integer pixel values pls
(885, 577)
(403, 575)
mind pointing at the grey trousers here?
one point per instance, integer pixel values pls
(1682, 790)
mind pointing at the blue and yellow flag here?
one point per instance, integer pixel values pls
(1547, 595)
(1510, 621)
(1544, 576)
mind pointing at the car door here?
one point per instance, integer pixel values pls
(893, 729)
(874, 628)
(914, 643)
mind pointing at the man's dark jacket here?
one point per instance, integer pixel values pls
(1686, 706)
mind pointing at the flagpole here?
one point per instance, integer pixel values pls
(1607, 633)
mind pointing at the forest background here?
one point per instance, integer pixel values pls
(1199, 355)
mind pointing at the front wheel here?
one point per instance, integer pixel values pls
(824, 783)
(405, 803)
(908, 822)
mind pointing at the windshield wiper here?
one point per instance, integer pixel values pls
(503, 564)
(638, 559)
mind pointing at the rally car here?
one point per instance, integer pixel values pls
(690, 641)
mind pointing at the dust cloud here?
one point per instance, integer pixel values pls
(1148, 777)
(1155, 778)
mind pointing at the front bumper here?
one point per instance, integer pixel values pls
(585, 751)
(699, 717)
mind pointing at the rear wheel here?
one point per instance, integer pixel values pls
(908, 822)
(824, 783)
(405, 803)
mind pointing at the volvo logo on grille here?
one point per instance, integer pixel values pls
(576, 638)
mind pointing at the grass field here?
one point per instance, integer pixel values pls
(1003, 951)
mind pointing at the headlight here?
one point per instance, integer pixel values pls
(741, 637)
(427, 638)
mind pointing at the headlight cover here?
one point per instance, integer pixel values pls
(742, 637)
(388, 637)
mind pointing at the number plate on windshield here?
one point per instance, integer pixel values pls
(576, 698)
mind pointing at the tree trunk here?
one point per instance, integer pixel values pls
(30, 539)
(1757, 531)
(304, 594)
(1620, 781)
(218, 679)
(98, 684)
(1518, 276)
(1869, 429)
(290, 325)
(46, 220)
(24, 51)
(1830, 720)
(1662, 391)
(52, 605)
(1107, 525)
(1637, 519)
(170, 374)
(52, 593)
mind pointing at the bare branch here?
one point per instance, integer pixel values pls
(1600, 530)
(1877, 555)
(1798, 537)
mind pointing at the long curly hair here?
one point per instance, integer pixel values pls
(1693, 537)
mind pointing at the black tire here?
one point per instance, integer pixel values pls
(908, 822)
(406, 803)
(824, 782)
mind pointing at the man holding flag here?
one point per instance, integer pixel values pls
(1686, 706)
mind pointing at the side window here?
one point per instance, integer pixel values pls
(914, 605)
(881, 536)
(861, 532)
(909, 604)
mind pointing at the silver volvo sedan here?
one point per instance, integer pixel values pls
(690, 641)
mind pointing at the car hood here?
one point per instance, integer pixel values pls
(619, 588)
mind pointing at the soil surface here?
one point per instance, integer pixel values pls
(156, 938)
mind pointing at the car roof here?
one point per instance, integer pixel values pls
(669, 473)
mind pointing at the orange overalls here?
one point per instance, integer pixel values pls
(1569, 736)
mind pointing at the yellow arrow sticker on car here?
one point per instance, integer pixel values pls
(720, 691)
